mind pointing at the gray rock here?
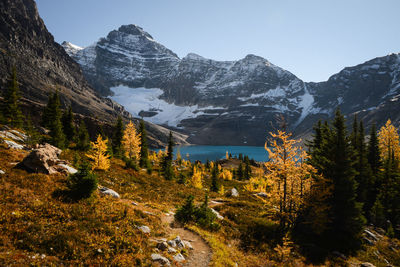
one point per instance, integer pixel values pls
(261, 194)
(172, 243)
(219, 216)
(179, 242)
(366, 264)
(160, 259)
(234, 192)
(110, 192)
(69, 169)
(172, 250)
(13, 145)
(2, 172)
(188, 244)
(44, 159)
(162, 246)
(179, 257)
(145, 229)
(371, 235)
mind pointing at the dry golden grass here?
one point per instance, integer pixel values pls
(37, 228)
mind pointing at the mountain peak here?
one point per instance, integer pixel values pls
(134, 30)
(194, 56)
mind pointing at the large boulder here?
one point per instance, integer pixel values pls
(44, 159)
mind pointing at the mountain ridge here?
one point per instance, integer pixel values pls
(239, 99)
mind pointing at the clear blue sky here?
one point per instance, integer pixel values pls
(311, 38)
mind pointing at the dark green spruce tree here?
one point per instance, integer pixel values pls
(247, 168)
(83, 141)
(68, 125)
(10, 109)
(214, 179)
(52, 120)
(117, 138)
(240, 172)
(375, 163)
(346, 213)
(144, 151)
(166, 164)
(364, 177)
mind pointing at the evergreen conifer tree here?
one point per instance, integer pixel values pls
(240, 171)
(347, 220)
(83, 142)
(53, 115)
(166, 164)
(247, 168)
(68, 125)
(144, 152)
(214, 179)
(12, 114)
(117, 137)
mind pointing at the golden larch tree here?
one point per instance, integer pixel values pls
(287, 178)
(131, 141)
(227, 155)
(197, 180)
(226, 174)
(388, 139)
(98, 153)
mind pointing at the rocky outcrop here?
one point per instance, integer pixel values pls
(44, 159)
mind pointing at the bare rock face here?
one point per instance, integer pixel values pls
(44, 159)
(42, 64)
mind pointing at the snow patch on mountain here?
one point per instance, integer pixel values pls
(137, 100)
(306, 105)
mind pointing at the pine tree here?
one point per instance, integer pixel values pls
(33, 135)
(144, 152)
(117, 137)
(170, 150)
(12, 114)
(240, 172)
(247, 168)
(347, 220)
(68, 125)
(214, 179)
(98, 154)
(131, 142)
(364, 177)
(52, 120)
(374, 158)
(83, 137)
(166, 164)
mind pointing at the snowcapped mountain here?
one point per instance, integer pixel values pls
(224, 102)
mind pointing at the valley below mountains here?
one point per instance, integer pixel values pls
(230, 102)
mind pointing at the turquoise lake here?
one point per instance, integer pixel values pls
(203, 153)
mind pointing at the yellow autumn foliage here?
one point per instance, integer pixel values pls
(225, 174)
(131, 142)
(98, 153)
(287, 178)
(221, 190)
(197, 180)
(389, 141)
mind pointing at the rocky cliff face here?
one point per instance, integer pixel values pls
(43, 66)
(226, 102)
